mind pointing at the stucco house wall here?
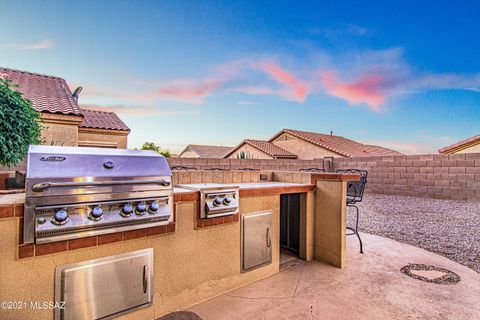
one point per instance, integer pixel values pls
(303, 149)
(253, 152)
(88, 137)
(60, 129)
(189, 154)
(472, 149)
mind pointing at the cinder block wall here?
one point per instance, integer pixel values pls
(236, 164)
(455, 177)
(439, 176)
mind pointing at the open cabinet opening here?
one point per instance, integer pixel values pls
(290, 227)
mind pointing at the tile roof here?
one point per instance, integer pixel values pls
(207, 151)
(340, 145)
(270, 149)
(47, 93)
(464, 143)
(102, 120)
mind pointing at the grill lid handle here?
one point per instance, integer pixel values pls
(39, 187)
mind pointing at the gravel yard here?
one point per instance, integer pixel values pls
(446, 227)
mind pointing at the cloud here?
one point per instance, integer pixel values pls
(138, 110)
(343, 31)
(366, 89)
(295, 89)
(369, 77)
(406, 147)
(185, 90)
(373, 77)
(40, 45)
(235, 76)
(245, 102)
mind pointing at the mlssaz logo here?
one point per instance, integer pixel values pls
(52, 158)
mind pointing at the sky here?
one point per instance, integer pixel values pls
(401, 74)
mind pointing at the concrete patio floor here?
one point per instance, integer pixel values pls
(370, 287)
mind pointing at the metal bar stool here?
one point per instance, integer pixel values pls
(355, 195)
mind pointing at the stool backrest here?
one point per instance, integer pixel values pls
(355, 188)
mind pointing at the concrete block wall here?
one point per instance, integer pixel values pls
(236, 164)
(455, 177)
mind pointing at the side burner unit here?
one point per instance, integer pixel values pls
(74, 192)
(216, 200)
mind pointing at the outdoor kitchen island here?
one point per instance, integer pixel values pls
(194, 258)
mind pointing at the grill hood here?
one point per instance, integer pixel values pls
(70, 162)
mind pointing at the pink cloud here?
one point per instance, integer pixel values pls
(39, 45)
(188, 90)
(406, 147)
(256, 90)
(366, 89)
(296, 89)
(138, 110)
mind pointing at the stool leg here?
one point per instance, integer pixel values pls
(356, 227)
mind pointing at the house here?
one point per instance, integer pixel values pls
(296, 144)
(102, 129)
(470, 145)
(202, 151)
(65, 122)
(259, 149)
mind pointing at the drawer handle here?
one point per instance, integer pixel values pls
(269, 238)
(145, 282)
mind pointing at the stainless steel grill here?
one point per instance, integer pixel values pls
(78, 192)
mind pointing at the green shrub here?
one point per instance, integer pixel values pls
(152, 146)
(19, 125)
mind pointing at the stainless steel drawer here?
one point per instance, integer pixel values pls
(256, 240)
(105, 287)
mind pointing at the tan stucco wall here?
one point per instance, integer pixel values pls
(472, 149)
(303, 149)
(60, 130)
(330, 222)
(254, 152)
(88, 137)
(189, 154)
(189, 266)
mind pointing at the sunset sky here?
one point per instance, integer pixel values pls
(401, 74)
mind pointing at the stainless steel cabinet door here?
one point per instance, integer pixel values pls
(105, 287)
(256, 240)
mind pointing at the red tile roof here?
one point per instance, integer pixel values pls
(267, 147)
(340, 145)
(102, 120)
(47, 93)
(459, 145)
(203, 151)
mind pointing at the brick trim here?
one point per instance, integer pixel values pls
(32, 250)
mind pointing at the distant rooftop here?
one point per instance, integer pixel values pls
(207, 151)
(269, 148)
(340, 145)
(461, 145)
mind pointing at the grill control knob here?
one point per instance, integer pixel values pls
(126, 210)
(96, 213)
(228, 200)
(218, 201)
(154, 206)
(141, 207)
(41, 220)
(60, 217)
